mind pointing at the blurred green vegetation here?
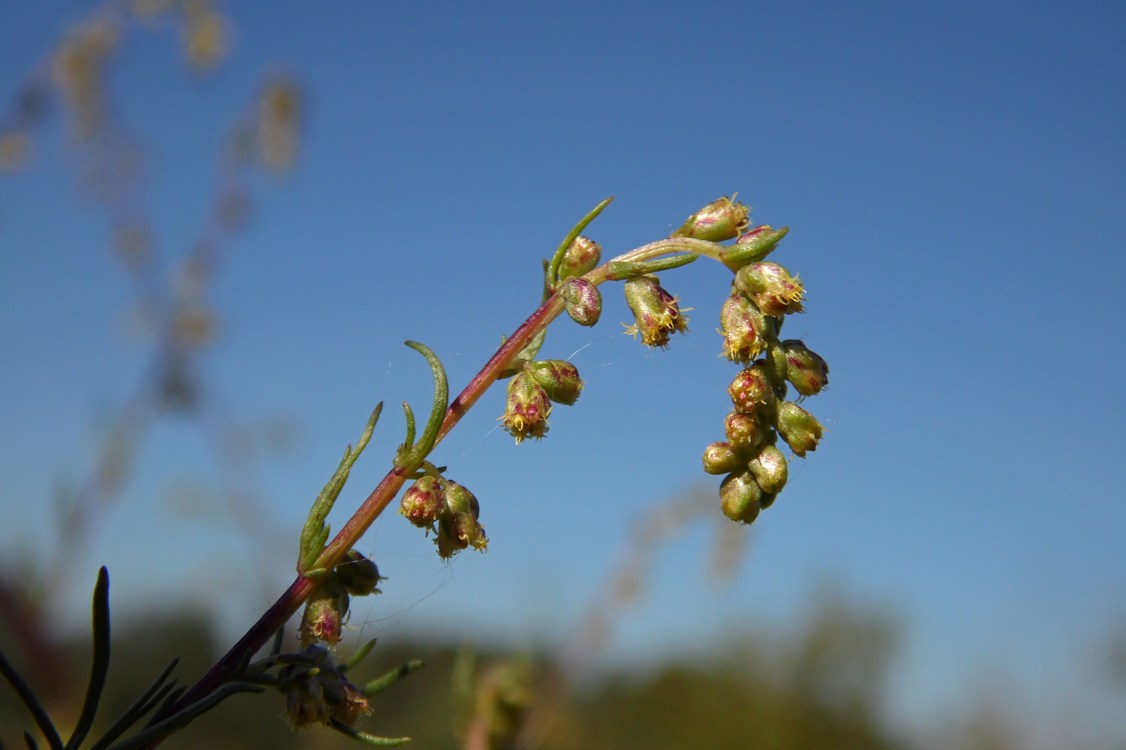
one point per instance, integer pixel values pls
(818, 684)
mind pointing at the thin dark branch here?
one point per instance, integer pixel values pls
(182, 718)
(145, 702)
(34, 707)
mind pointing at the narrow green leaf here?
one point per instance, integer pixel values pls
(416, 454)
(99, 667)
(623, 270)
(180, 719)
(34, 707)
(368, 739)
(314, 534)
(388, 679)
(144, 703)
(360, 654)
(557, 258)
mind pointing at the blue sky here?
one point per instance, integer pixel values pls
(953, 176)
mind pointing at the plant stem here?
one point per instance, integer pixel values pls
(232, 663)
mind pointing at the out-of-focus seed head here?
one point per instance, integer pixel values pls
(656, 312)
(752, 392)
(798, 428)
(560, 379)
(583, 301)
(744, 327)
(771, 288)
(526, 407)
(424, 501)
(740, 497)
(805, 368)
(722, 219)
(770, 470)
(581, 257)
(325, 611)
(721, 458)
(358, 575)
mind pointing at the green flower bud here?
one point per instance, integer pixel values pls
(526, 408)
(798, 428)
(583, 301)
(770, 470)
(581, 257)
(752, 246)
(745, 432)
(805, 368)
(358, 575)
(740, 497)
(460, 500)
(424, 501)
(771, 288)
(325, 611)
(655, 311)
(722, 219)
(559, 379)
(744, 327)
(751, 391)
(458, 527)
(721, 458)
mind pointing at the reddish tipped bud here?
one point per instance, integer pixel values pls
(771, 288)
(745, 432)
(805, 368)
(346, 702)
(752, 246)
(526, 407)
(581, 257)
(655, 311)
(798, 428)
(323, 619)
(559, 379)
(358, 575)
(751, 391)
(583, 301)
(744, 328)
(770, 470)
(424, 501)
(722, 219)
(721, 458)
(740, 497)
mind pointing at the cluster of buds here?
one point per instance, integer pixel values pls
(762, 294)
(446, 508)
(317, 692)
(533, 390)
(326, 611)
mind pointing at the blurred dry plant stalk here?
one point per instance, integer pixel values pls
(510, 705)
(74, 81)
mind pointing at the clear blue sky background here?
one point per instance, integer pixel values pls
(955, 179)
